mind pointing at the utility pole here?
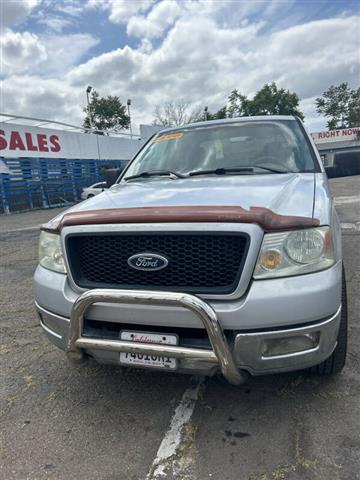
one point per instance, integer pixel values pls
(205, 113)
(88, 90)
(128, 103)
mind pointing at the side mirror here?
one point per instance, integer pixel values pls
(332, 172)
(111, 175)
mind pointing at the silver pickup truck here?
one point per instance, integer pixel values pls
(217, 249)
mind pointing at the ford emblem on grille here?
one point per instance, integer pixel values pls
(147, 262)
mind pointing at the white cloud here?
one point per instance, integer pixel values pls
(110, 70)
(19, 51)
(54, 23)
(122, 10)
(203, 56)
(27, 53)
(145, 46)
(309, 57)
(65, 51)
(35, 96)
(15, 12)
(70, 7)
(162, 16)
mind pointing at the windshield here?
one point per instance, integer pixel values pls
(263, 146)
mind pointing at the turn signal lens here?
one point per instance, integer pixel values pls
(270, 259)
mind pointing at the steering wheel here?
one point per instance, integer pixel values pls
(270, 161)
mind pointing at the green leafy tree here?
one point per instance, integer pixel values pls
(341, 105)
(238, 105)
(220, 114)
(107, 113)
(269, 100)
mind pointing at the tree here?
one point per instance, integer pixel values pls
(341, 105)
(269, 100)
(238, 105)
(107, 113)
(220, 114)
(175, 114)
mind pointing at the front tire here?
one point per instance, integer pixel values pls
(336, 362)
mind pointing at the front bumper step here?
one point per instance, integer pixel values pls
(220, 354)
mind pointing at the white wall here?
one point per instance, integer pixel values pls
(147, 131)
(24, 141)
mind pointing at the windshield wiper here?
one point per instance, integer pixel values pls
(222, 171)
(271, 169)
(155, 173)
(244, 169)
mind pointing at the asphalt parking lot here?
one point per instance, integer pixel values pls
(58, 421)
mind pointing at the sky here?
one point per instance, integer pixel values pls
(153, 51)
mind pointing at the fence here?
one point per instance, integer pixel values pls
(44, 183)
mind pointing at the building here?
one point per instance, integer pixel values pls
(43, 167)
(339, 150)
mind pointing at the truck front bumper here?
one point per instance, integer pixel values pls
(257, 352)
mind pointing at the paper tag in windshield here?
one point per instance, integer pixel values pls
(170, 136)
(219, 149)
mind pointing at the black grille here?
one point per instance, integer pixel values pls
(198, 263)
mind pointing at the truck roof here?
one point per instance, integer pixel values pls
(226, 121)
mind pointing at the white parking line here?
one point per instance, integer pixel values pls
(355, 227)
(169, 459)
(346, 199)
(22, 229)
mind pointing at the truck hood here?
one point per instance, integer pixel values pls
(285, 194)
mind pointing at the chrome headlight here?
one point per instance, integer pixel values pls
(50, 254)
(294, 253)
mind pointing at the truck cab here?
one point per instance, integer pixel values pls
(218, 249)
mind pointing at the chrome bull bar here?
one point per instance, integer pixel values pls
(220, 353)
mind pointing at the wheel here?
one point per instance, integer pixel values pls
(90, 195)
(336, 362)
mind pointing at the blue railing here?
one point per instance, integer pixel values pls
(46, 182)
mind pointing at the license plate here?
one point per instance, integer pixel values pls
(145, 360)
